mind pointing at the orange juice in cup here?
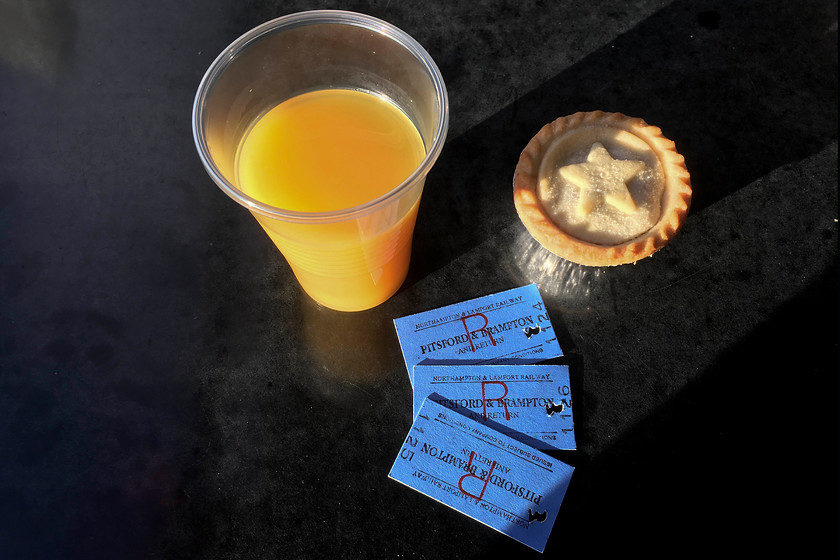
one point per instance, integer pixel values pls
(324, 151)
(324, 125)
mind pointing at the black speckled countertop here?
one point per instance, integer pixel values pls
(167, 391)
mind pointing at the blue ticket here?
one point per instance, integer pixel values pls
(530, 403)
(482, 473)
(507, 327)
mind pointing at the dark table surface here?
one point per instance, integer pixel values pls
(167, 391)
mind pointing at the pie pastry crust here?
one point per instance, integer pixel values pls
(674, 203)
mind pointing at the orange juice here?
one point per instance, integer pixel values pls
(330, 150)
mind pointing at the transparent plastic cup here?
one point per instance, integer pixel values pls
(350, 259)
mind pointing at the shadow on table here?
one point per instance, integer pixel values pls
(741, 88)
(744, 457)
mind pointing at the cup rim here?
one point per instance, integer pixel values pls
(310, 17)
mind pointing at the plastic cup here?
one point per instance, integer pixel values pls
(354, 258)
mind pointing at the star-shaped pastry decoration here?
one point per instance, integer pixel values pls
(602, 176)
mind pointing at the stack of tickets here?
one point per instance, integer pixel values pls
(485, 410)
